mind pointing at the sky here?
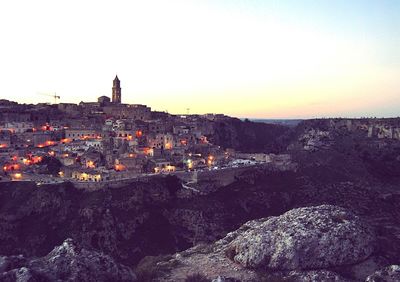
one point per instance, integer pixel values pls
(244, 58)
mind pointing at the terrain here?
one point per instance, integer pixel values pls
(350, 167)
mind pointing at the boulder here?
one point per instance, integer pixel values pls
(314, 275)
(387, 274)
(304, 238)
(69, 262)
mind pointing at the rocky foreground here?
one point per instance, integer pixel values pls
(68, 262)
(320, 243)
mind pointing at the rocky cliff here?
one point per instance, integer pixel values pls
(320, 243)
(67, 262)
(248, 136)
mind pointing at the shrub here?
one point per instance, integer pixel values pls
(197, 277)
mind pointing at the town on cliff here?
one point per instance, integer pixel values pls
(95, 144)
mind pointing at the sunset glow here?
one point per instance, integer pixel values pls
(261, 59)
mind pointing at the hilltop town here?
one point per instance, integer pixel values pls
(95, 144)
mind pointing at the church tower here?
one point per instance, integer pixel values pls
(116, 91)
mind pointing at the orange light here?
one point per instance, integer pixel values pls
(65, 140)
(131, 155)
(130, 137)
(14, 158)
(90, 164)
(36, 159)
(52, 153)
(139, 133)
(18, 175)
(3, 145)
(119, 167)
(40, 146)
(168, 146)
(11, 167)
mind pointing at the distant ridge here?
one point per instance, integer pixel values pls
(286, 122)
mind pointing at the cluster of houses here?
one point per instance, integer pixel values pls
(102, 141)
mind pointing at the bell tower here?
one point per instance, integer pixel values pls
(116, 91)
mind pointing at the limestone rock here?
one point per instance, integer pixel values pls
(314, 275)
(388, 274)
(72, 263)
(304, 238)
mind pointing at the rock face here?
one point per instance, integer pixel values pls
(304, 244)
(388, 274)
(304, 238)
(68, 262)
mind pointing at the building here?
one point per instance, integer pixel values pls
(116, 91)
(122, 111)
(82, 134)
(103, 100)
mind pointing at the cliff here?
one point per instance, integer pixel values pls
(248, 136)
(338, 165)
(320, 243)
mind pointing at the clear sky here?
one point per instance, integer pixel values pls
(248, 58)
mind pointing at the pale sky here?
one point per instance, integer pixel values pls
(248, 58)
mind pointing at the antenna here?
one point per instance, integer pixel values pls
(54, 95)
(187, 111)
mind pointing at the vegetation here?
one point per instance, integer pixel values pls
(149, 267)
(197, 277)
(53, 165)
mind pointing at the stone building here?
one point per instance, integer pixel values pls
(116, 91)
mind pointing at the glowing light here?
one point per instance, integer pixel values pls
(18, 175)
(147, 150)
(50, 143)
(90, 164)
(170, 168)
(168, 146)
(190, 164)
(119, 167)
(35, 159)
(11, 167)
(3, 145)
(139, 133)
